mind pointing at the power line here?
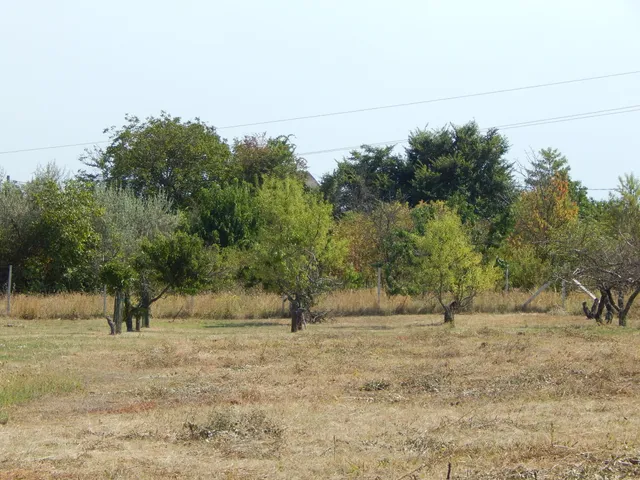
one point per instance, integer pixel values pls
(510, 126)
(435, 100)
(53, 147)
(360, 110)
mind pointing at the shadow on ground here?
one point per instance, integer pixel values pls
(243, 324)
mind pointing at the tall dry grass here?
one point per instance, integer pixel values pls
(238, 305)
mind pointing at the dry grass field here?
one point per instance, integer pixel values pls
(385, 397)
(242, 304)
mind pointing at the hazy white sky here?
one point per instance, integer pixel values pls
(70, 68)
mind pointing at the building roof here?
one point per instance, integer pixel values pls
(310, 181)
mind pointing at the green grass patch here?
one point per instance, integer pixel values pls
(28, 385)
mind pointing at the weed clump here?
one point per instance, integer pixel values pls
(240, 434)
(375, 386)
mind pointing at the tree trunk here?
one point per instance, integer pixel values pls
(112, 326)
(297, 315)
(596, 309)
(146, 305)
(601, 304)
(609, 315)
(449, 311)
(128, 312)
(622, 319)
(293, 310)
(117, 312)
(449, 315)
(622, 312)
(146, 313)
(138, 318)
(622, 315)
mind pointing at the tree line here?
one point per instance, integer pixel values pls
(170, 206)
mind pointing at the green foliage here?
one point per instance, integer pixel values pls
(526, 268)
(456, 164)
(117, 275)
(295, 253)
(431, 217)
(439, 258)
(623, 209)
(257, 156)
(542, 212)
(547, 166)
(370, 239)
(162, 156)
(604, 252)
(227, 215)
(16, 218)
(465, 168)
(366, 178)
(179, 262)
(126, 220)
(47, 232)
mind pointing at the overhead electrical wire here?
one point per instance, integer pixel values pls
(435, 100)
(360, 110)
(530, 123)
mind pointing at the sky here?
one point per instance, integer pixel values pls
(70, 68)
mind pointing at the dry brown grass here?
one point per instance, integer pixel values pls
(247, 305)
(497, 396)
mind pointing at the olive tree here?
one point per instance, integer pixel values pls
(126, 221)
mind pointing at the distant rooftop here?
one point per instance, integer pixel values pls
(311, 182)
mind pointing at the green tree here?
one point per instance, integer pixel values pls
(370, 238)
(440, 259)
(258, 156)
(549, 165)
(47, 232)
(543, 210)
(227, 215)
(294, 253)
(468, 170)
(365, 178)
(16, 218)
(162, 155)
(126, 222)
(176, 263)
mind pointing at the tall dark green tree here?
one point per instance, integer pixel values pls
(365, 178)
(464, 167)
(227, 215)
(162, 155)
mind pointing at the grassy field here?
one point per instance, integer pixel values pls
(384, 397)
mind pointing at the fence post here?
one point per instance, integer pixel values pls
(104, 301)
(506, 275)
(379, 285)
(9, 290)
